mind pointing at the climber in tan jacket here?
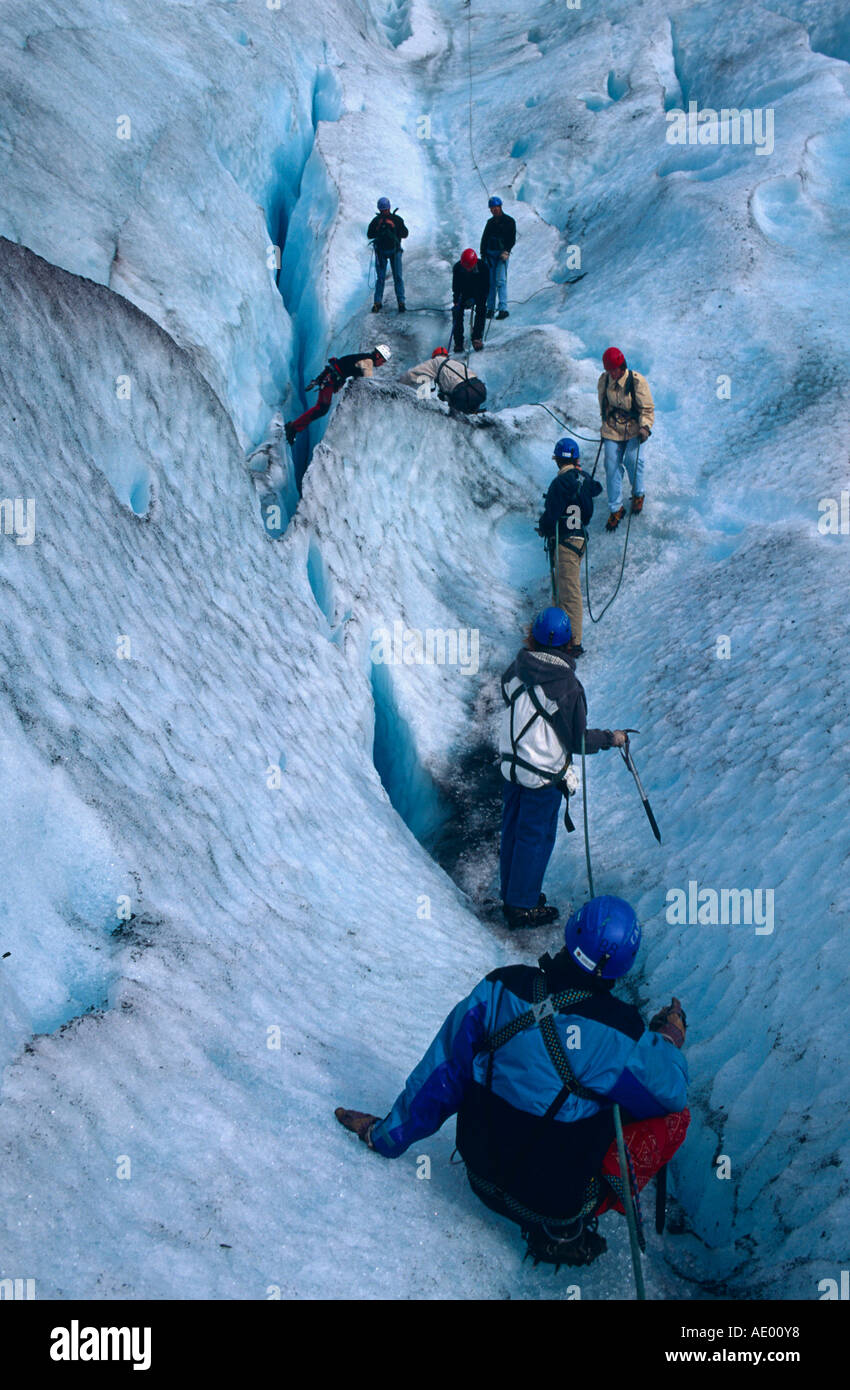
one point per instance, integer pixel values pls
(628, 414)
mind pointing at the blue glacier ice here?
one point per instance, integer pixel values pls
(224, 904)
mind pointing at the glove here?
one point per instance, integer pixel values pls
(670, 1022)
(643, 434)
(358, 1122)
(504, 256)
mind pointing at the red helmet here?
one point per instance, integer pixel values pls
(468, 259)
(439, 352)
(613, 360)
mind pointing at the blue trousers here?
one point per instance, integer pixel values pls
(394, 258)
(498, 281)
(617, 457)
(529, 828)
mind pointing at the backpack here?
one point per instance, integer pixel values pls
(386, 237)
(466, 396)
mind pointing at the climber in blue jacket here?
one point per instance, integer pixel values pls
(532, 1062)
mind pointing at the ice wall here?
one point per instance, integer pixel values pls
(149, 772)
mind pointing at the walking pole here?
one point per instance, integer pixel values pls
(630, 764)
(661, 1199)
(628, 1204)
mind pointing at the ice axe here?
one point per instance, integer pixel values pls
(630, 764)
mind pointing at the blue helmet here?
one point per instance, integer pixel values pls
(383, 205)
(603, 937)
(552, 628)
(494, 202)
(567, 448)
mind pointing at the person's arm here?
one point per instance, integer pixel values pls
(509, 235)
(601, 387)
(484, 287)
(552, 509)
(646, 1075)
(423, 371)
(645, 405)
(435, 1088)
(400, 227)
(483, 239)
(372, 229)
(570, 723)
(456, 290)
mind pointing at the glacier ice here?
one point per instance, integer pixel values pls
(191, 722)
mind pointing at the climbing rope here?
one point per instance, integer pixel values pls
(469, 68)
(584, 810)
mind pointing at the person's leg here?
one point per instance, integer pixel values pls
(614, 473)
(569, 584)
(630, 460)
(315, 412)
(457, 322)
(398, 279)
(502, 284)
(510, 810)
(534, 840)
(380, 276)
(480, 319)
(491, 293)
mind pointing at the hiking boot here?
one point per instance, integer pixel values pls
(518, 918)
(459, 346)
(290, 432)
(478, 344)
(402, 308)
(614, 519)
(580, 1244)
(376, 308)
(637, 503)
(503, 314)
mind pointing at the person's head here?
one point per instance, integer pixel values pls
(550, 631)
(468, 259)
(613, 361)
(439, 352)
(603, 937)
(381, 354)
(383, 205)
(567, 452)
(495, 206)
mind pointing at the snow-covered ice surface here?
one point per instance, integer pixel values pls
(163, 657)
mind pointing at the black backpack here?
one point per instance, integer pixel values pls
(387, 239)
(467, 396)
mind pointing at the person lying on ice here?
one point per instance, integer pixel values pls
(532, 1062)
(470, 286)
(568, 509)
(338, 371)
(628, 413)
(542, 727)
(454, 381)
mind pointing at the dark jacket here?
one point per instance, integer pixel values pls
(388, 238)
(571, 487)
(501, 1133)
(470, 284)
(348, 364)
(499, 235)
(555, 676)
